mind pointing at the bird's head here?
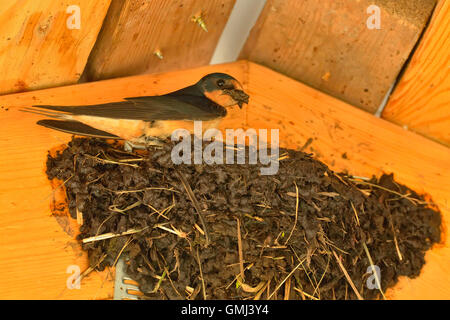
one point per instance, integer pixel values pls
(223, 90)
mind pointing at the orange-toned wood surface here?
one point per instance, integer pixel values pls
(38, 50)
(135, 29)
(421, 100)
(327, 44)
(35, 252)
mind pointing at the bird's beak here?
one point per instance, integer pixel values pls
(228, 97)
(238, 94)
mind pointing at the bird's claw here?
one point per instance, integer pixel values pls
(142, 144)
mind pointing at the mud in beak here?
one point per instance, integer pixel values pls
(228, 97)
(241, 97)
(238, 94)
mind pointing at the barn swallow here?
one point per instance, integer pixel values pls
(140, 120)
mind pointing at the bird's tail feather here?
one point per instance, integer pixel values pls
(51, 114)
(76, 128)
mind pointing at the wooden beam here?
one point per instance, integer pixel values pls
(134, 30)
(33, 243)
(328, 45)
(38, 49)
(421, 100)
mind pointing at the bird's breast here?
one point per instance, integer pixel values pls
(133, 130)
(124, 128)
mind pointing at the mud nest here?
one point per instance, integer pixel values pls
(227, 232)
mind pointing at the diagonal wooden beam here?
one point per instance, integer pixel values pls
(46, 43)
(421, 100)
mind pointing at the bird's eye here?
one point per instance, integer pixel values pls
(220, 83)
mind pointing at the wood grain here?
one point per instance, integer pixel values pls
(38, 50)
(135, 29)
(32, 242)
(327, 44)
(421, 100)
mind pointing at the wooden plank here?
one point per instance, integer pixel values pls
(135, 29)
(372, 146)
(327, 44)
(38, 50)
(421, 100)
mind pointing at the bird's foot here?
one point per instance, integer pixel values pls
(151, 141)
(129, 146)
(142, 144)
